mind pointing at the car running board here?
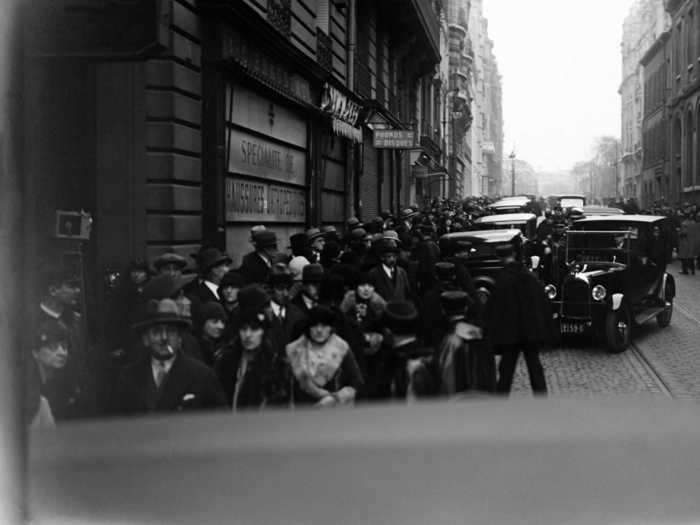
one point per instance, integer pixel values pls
(650, 313)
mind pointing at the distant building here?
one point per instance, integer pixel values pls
(526, 178)
(683, 50)
(654, 182)
(487, 128)
(646, 21)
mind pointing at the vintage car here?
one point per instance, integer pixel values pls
(525, 222)
(518, 204)
(609, 283)
(566, 201)
(479, 249)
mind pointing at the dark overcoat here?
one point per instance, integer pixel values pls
(517, 311)
(254, 269)
(398, 289)
(190, 385)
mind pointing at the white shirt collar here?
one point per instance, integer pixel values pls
(265, 259)
(48, 311)
(310, 303)
(389, 272)
(276, 308)
(167, 364)
(213, 287)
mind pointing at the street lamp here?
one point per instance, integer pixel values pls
(512, 172)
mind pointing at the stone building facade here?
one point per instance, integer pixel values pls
(646, 21)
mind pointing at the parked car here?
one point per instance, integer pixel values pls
(566, 201)
(482, 262)
(525, 222)
(518, 204)
(609, 284)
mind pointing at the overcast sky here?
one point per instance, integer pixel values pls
(561, 67)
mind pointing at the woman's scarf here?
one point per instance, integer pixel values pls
(314, 366)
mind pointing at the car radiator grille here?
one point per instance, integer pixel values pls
(576, 299)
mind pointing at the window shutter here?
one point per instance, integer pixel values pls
(323, 16)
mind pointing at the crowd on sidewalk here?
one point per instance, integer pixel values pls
(377, 313)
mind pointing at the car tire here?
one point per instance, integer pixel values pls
(618, 329)
(664, 318)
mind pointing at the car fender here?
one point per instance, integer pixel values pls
(616, 301)
(669, 281)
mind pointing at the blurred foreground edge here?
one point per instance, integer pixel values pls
(617, 461)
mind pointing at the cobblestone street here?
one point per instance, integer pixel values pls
(662, 362)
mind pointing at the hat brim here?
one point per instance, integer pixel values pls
(315, 236)
(217, 262)
(162, 319)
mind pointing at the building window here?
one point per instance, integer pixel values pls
(690, 51)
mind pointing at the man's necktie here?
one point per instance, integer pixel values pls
(160, 374)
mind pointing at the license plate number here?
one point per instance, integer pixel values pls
(572, 328)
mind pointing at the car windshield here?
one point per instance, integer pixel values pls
(522, 226)
(608, 245)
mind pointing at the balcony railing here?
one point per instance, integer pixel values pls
(279, 14)
(324, 50)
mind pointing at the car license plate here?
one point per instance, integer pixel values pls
(572, 328)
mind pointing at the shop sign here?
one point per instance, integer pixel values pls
(488, 147)
(259, 157)
(267, 69)
(344, 112)
(258, 201)
(394, 138)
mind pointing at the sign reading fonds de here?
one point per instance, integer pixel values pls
(394, 138)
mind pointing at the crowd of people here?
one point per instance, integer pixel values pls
(377, 313)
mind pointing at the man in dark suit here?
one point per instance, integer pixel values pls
(516, 320)
(213, 265)
(390, 281)
(288, 321)
(256, 265)
(311, 278)
(166, 380)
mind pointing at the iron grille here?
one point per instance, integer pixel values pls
(576, 299)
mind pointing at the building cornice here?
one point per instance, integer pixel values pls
(654, 49)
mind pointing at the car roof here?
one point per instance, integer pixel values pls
(567, 196)
(483, 235)
(647, 219)
(607, 210)
(511, 200)
(506, 217)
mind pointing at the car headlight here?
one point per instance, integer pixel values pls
(551, 291)
(599, 292)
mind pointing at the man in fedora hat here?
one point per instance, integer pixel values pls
(169, 264)
(287, 320)
(315, 240)
(213, 265)
(255, 267)
(311, 278)
(389, 370)
(165, 380)
(390, 280)
(516, 320)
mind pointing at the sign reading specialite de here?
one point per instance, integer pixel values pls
(260, 157)
(258, 201)
(394, 138)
